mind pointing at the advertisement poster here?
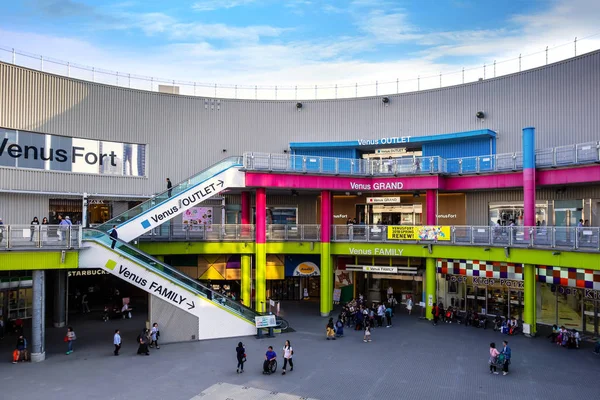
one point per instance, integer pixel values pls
(196, 217)
(438, 233)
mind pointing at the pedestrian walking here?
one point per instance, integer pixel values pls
(240, 354)
(367, 335)
(388, 316)
(70, 337)
(494, 353)
(288, 352)
(435, 312)
(380, 314)
(154, 335)
(1, 230)
(507, 355)
(117, 341)
(85, 308)
(115, 235)
(409, 305)
(143, 342)
(169, 187)
(34, 227)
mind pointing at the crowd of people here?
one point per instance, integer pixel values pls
(568, 338)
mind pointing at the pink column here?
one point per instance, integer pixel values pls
(326, 216)
(431, 206)
(261, 215)
(245, 208)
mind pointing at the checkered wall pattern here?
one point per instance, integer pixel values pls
(574, 277)
(484, 269)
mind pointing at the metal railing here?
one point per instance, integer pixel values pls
(491, 69)
(182, 232)
(185, 232)
(576, 154)
(543, 237)
(27, 237)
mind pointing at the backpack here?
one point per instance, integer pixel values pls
(339, 324)
(139, 338)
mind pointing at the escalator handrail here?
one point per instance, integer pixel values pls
(183, 279)
(237, 162)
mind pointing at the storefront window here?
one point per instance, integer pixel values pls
(505, 212)
(280, 216)
(463, 293)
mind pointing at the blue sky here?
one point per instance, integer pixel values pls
(287, 42)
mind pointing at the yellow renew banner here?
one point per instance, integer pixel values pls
(430, 232)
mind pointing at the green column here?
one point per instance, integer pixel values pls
(246, 275)
(430, 283)
(529, 298)
(326, 289)
(260, 288)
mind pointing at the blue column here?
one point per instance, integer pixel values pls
(528, 177)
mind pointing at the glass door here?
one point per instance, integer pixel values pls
(515, 307)
(591, 311)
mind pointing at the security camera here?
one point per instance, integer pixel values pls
(480, 115)
(298, 105)
(385, 100)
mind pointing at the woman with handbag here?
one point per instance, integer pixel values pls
(240, 353)
(69, 338)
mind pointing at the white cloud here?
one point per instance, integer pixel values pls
(246, 60)
(211, 5)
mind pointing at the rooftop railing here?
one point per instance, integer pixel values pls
(576, 154)
(49, 237)
(542, 237)
(347, 89)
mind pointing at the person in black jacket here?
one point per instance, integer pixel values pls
(241, 357)
(169, 186)
(114, 235)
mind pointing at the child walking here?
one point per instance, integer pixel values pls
(494, 353)
(154, 335)
(367, 336)
(69, 338)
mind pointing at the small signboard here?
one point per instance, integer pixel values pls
(383, 200)
(265, 321)
(337, 294)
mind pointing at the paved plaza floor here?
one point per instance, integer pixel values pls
(411, 360)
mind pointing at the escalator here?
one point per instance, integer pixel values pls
(219, 316)
(161, 208)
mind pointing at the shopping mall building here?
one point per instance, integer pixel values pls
(470, 195)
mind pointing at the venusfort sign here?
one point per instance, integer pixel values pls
(22, 149)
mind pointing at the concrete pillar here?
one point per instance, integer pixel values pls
(431, 207)
(326, 287)
(38, 327)
(246, 272)
(261, 250)
(60, 298)
(430, 286)
(529, 298)
(528, 177)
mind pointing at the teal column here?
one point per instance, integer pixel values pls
(529, 298)
(430, 286)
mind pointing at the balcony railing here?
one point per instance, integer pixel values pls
(543, 237)
(577, 154)
(50, 237)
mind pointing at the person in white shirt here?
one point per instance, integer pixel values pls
(125, 311)
(117, 341)
(409, 305)
(154, 335)
(288, 352)
(380, 314)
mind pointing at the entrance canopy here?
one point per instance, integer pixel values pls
(449, 145)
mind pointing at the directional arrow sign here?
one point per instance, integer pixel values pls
(220, 183)
(191, 306)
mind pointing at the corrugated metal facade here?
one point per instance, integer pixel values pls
(478, 202)
(186, 134)
(467, 148)
(16, 208)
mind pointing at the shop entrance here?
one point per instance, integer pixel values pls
(405, 214)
